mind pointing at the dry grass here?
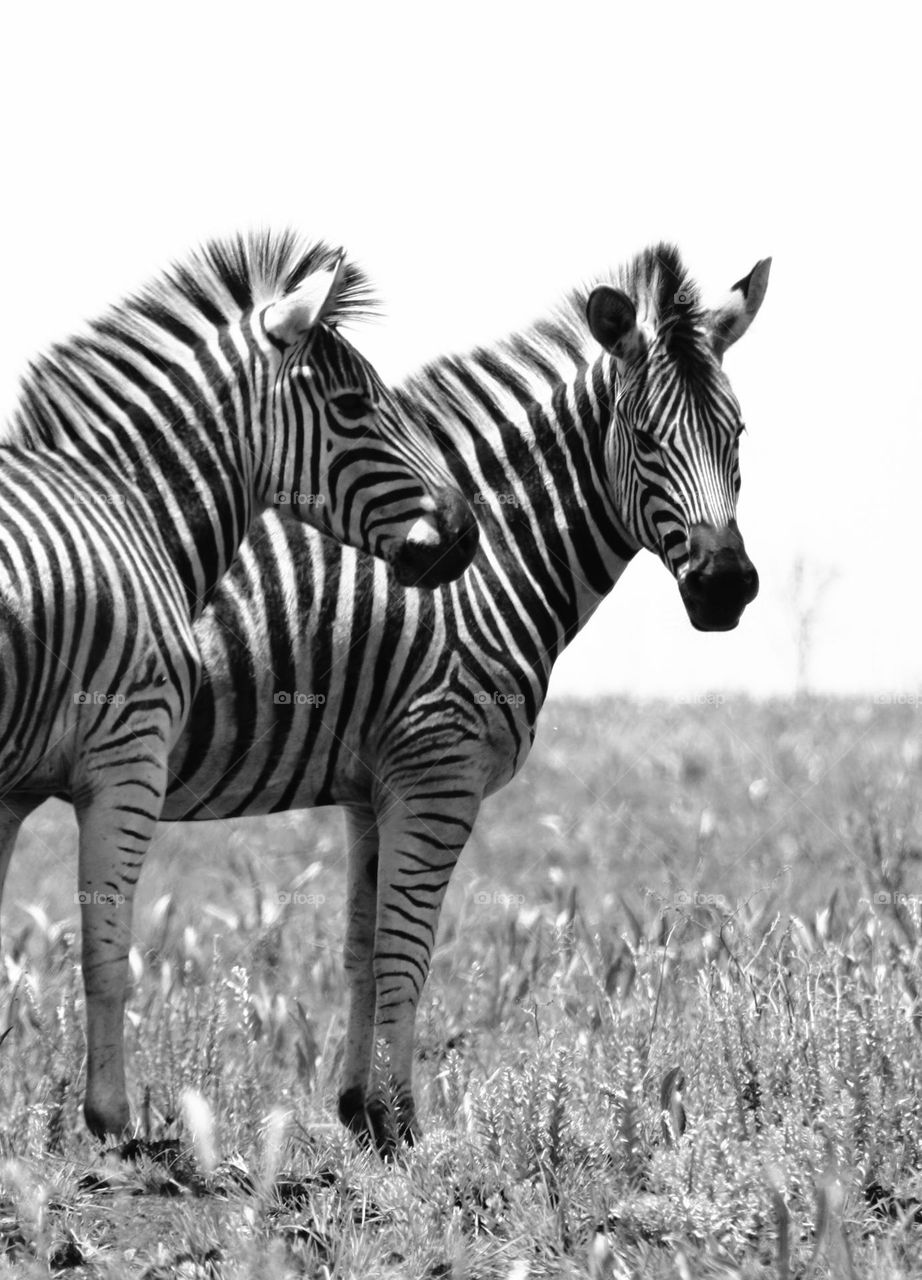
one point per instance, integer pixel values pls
(673, 1027)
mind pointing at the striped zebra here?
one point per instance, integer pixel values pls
(608, 427)
(139, 456)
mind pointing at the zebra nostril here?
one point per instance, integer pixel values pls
(720, 583)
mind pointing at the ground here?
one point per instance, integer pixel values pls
(672, 1029)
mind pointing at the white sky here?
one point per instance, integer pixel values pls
(478, 161)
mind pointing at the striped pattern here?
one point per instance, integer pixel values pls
(324, 683)
(139, 456)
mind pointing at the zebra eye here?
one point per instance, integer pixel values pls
(647, 440)
(350, 405)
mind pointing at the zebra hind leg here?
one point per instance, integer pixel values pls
(361, 910)
(117, 823)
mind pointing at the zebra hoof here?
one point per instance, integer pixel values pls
(352, 1110)
(358, 1119)
(107, 1121)
(384, 1132)
(374, 1124)
(378, 1124)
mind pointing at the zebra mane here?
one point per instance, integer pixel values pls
(212, 288)
(225, 278)
(545, 353)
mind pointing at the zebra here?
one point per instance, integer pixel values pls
(138, 457)
(607, 427)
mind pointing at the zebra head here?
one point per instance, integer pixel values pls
(672, 451)
(368, 476)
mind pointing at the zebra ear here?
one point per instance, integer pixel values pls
(733, 317)
(612, 319)
(291, 319)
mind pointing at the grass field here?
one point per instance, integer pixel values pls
(672, 1029)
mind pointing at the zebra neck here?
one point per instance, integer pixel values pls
(529, 452)
(202, 519)
(188, 479)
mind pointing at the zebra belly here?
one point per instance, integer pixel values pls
(252, 775)
(244, 753)
(252, 747)
(320, 676)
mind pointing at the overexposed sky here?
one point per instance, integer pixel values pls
(481, 159)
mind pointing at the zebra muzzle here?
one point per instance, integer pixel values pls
(719, 580)
(439, 546)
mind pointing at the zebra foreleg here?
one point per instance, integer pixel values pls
(116, 826)
(420, 841)
(361, 909)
